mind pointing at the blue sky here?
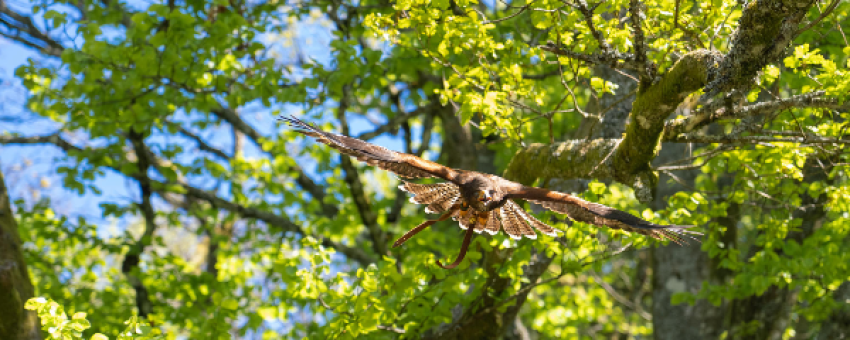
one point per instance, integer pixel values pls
(32, 166)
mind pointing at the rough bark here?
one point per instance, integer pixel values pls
(766, 29)
(681, 269)
(764, 316)
(15, 285)
(458, 149)
(613, 110)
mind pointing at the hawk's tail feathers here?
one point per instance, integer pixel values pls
(537, 224)
(513, 225)
(513, 221)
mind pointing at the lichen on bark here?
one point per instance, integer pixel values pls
(626, 160)
(565, 160)
(653, 105)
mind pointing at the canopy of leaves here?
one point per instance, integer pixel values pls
(236, 226)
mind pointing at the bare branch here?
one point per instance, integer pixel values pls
(511, 16)
(823, 15)
(706, 156)
(22, 29)
(581, 5)
(701, 118)
(203, 144)
(613, 60)
(160, 188)
(693, 138)
(635, 306)
(688, 32)
(301, 177)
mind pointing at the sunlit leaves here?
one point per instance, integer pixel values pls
(835, 80)
(172, 67)
(57, 325)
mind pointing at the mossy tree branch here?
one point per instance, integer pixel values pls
(652, 105)
(626, 160)
(765, 32)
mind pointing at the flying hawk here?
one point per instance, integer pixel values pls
(483, 202)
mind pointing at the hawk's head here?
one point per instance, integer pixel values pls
(482, 194)
(488, 199)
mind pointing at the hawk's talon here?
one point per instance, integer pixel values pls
(466, 240)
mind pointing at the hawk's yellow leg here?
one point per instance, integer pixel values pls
(424, 225)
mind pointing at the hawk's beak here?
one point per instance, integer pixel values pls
(483, 196)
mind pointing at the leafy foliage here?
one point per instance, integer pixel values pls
(55, 322)
(244, 229)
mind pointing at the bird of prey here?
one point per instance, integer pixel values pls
(483, 202)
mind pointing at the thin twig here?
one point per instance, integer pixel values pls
(687, 31)
(823, 15)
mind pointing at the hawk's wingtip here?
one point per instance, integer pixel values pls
(291, 121)
(553, 233)
(283, 117)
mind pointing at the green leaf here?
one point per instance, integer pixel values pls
(231, 304)
(440, 4)
(268, 313)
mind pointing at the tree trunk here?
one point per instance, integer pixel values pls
(15, 286)
(680, 268)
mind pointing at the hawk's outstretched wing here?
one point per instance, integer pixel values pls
(600, 215)
(446, 198)
(402, 164)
